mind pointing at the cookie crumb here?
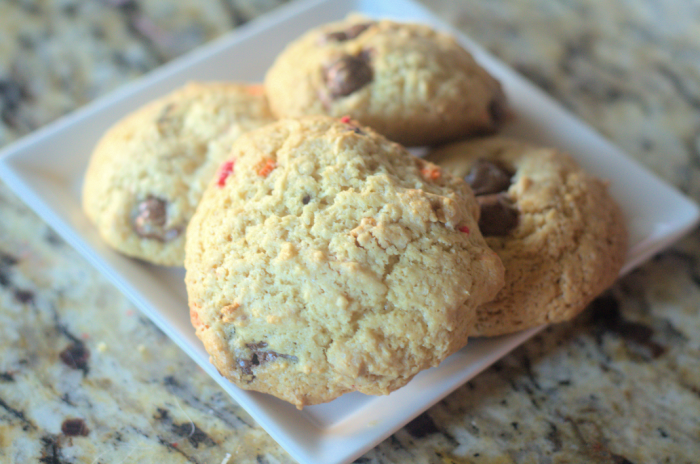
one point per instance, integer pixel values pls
(225, 171)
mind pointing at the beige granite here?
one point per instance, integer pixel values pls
(620, 384)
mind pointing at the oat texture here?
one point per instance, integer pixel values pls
(148, 172)
(325, 259)
(412, 84)
(569, 243)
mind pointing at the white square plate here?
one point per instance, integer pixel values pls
(46, 170)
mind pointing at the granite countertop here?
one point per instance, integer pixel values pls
(84, 378)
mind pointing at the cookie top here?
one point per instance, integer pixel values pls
(561, 237)
(149, 170)
(407, 81)
(325, 259)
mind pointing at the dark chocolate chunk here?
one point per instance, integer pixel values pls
(498, 216)
(260, 356)
(74, 428)
(347, 34)
(306, 199)
(348, 74)
(150, 220)
(486, 177)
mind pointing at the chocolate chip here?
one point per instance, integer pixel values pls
(347, 34)
(260, 356)
(150, 220)
(488, 177)
(306, 199)
(498, 216)
(74, 428)
(348, 74)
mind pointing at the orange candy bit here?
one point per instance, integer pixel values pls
(430, 173)
(267, 168)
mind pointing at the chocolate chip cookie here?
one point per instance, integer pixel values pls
(325, 259)
(407, 81)
(148, 172)
(561, 237)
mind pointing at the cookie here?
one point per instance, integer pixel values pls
(560, 235)
(325, 259)
(148, 172)
(407, 81)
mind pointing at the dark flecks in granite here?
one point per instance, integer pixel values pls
(422, 426)
(74, 427)
(52, 238)
(237, 18)
(6, 262)
(12, 93)
(189, 430)
(131, 11)
(26, 423)
(76, 356)
(677, 82)
(51, 450)
(688, 259)
(535, 75)
(70, 10)
(174, 447)
(223, 412)
(24, 296)
(575, 48)
(554, 437)
(607, 317)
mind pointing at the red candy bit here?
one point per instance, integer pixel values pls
(225, 171)
(430, 173)
(267, 168)
(464, 229)
(345, 119)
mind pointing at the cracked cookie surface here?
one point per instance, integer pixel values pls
(325, 259)
(407, 81)
(560, 235)
(149, 170)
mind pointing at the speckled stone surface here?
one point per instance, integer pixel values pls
(84, 378)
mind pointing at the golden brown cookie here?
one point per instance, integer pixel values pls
(560, 235)
(325, 259)
(148, 172)
(407, 81)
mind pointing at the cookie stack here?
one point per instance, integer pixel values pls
(322, 258)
